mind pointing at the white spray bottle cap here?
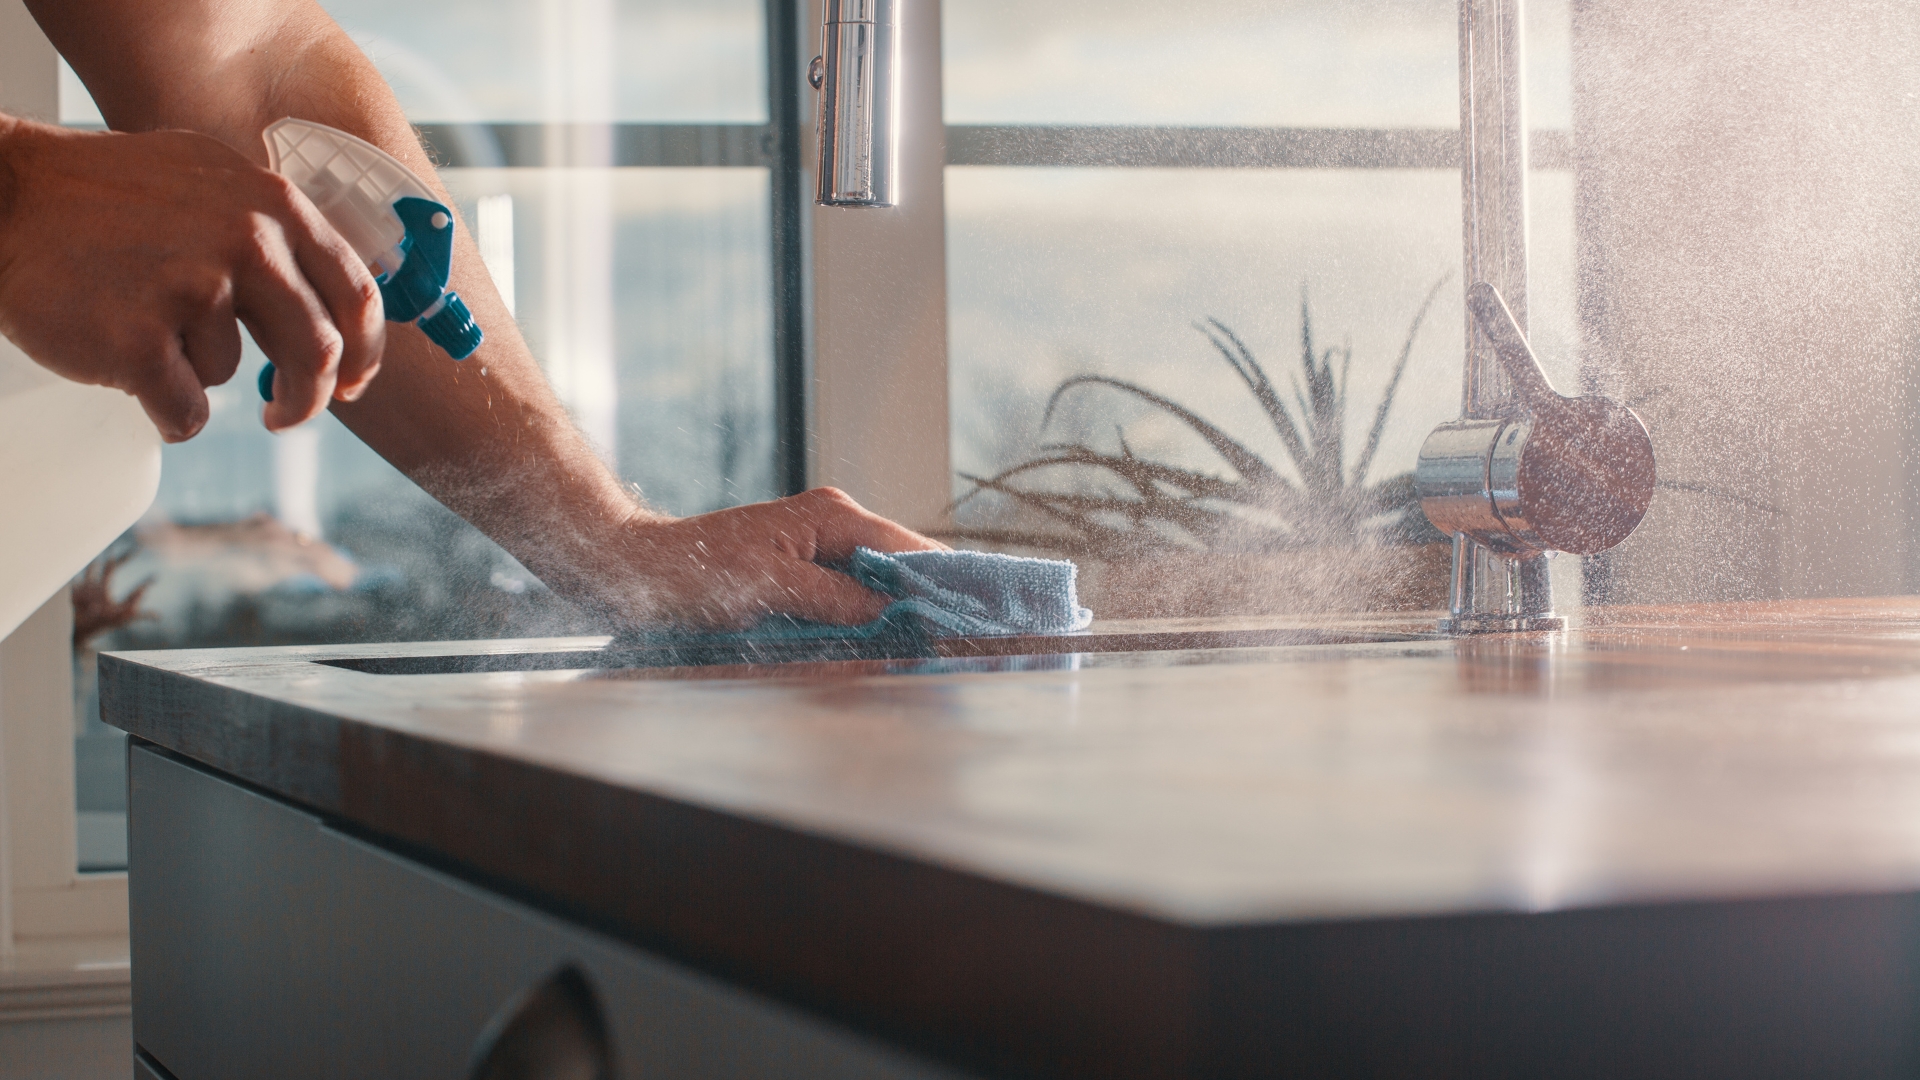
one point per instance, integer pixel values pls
(391, 218)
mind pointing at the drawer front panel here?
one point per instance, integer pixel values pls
(267, 944)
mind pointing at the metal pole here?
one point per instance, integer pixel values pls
(787, 188)
(1490, 592)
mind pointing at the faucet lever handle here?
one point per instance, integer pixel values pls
(1570, 474)
(1510, 346)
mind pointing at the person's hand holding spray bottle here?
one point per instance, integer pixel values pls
(392, 220)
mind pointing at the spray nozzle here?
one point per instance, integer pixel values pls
(416, 291)
(391, 219)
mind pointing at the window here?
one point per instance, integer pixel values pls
(1132, 189)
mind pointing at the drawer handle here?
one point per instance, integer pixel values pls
(552, 1030)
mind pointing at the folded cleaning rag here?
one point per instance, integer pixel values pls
(941, 594)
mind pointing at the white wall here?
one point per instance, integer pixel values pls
(63, 1013)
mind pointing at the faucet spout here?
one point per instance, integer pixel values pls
(858, 76)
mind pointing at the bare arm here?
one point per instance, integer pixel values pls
(486, 437)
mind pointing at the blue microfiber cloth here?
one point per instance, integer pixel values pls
(975, 592)
(936, 594)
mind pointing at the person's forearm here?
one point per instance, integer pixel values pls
(496, 446)
(485, 436)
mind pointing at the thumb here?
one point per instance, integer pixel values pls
(807, 591)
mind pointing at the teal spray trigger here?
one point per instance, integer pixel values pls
(391, 219)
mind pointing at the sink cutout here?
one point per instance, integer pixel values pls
(619, 655)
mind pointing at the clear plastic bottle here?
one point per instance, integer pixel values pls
(78, 465)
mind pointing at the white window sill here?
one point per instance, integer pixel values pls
(66, 979)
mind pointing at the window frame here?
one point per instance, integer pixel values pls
(48, 897)
(877, 408)
(46, 904)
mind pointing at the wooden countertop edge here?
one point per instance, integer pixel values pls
(1013, 982)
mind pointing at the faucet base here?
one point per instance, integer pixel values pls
(1501, 624)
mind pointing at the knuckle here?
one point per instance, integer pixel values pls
(253, 237)
(205, 291)
(329, 348)
(369, 307)
(366, 290)
(277, 191)
(311, 357)
(832, 497)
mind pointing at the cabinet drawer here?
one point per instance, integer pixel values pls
(267, 944)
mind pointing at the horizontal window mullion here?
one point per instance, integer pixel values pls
(1088, 146)
(526, 145)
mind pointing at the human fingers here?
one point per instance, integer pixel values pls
(291, 325)
(814, 592)
(212, 343)
(352, 298)
(840, 524)
(169, 390)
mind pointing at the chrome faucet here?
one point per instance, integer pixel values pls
(858, 76)
(1547, 473)
(1525, 472)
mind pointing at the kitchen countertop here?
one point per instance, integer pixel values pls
(1122, 862)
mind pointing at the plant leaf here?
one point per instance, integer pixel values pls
(1393, 384)
(1263, 391)
(1243, 461)
(1144, 474)
(1161, 506)
(1150, 478)
(1079, 510)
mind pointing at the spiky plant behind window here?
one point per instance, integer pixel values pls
(1315, 500)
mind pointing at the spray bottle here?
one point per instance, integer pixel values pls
(390, 218)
